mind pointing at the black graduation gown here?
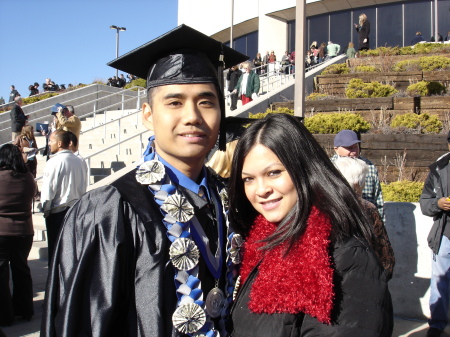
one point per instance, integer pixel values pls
(111, 274)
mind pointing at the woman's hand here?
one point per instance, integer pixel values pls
(365, 41)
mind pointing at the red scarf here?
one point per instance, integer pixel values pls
(300, 282)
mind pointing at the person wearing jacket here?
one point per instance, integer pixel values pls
(248, 84)
(233, 77)
(307, 266)
(434, 202)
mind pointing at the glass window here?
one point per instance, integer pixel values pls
(252, 45)
(390, 32)
(317, 30)
(417, 19)
(341, 26)
(444, 17)
(291, 35)
(240, 44)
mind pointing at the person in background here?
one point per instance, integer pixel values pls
(351, 52)
(33, 90)
(292, 61)
(266, 61)
(28, 147)
(435, 202)
(14, 93)
(347, 144)
(257, 63)
(68, 121)
(18, 118)
(248, 84)
(233, 76)
(16, 235)
(418, 38)
(333, 49)
(285, 62)
(439, 39)
(363, 29)
(322, 52)
(355, 171)
(308, 267)
(65, 181)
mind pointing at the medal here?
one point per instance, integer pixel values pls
(214, 302)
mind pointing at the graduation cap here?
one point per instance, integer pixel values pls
(181, 56)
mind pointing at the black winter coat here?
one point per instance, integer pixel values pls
(363, 33)
(436, 187)
(362, 307)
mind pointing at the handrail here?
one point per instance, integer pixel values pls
(121, 92)
(88, 158)
(103, 109)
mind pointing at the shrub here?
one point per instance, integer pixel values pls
(139, 82)
(424, 122)
(340, 68)
(366, 69)
(424, 88)
(34, 99)
(407, 65)
(260, 115)
(316, 96)
(357, 88)
(421, 48)
(335, 122)
(430, 63)
(402, 191)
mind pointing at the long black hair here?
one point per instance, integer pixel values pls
(11, 159)
(316, 179)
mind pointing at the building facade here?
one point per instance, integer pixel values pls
(266, 25)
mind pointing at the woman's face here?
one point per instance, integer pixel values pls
(267, 184)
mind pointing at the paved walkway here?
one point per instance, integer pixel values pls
(402, 327)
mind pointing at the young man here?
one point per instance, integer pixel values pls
(65, 181)
(148, 254)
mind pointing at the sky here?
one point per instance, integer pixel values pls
(70, 41)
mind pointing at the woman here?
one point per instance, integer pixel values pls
(354, 171)
(363, 29)
(351, 52)
(27, 145)
(307, 266)
(16, 235)
(322, 52)
(257, 63)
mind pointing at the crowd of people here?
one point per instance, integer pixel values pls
(287, 242)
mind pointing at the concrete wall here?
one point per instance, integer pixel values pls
(408, 230)
(85, 100)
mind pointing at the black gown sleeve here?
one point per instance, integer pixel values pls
(108, 273)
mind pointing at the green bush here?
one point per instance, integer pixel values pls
(139, 82)
(421, 48)
(407, 65)
(402, 191)
(424, 88)
(260, 115)
(357, 88)
(430, 63)
(34, 99)
(424, 122)
(366, 69)
(340, 68)
(333, 123)
(316, 96)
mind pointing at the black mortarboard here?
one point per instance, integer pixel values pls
(181, 56)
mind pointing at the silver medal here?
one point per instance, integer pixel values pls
(215, 302)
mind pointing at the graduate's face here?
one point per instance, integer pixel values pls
(185, 119)
(267, 184)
